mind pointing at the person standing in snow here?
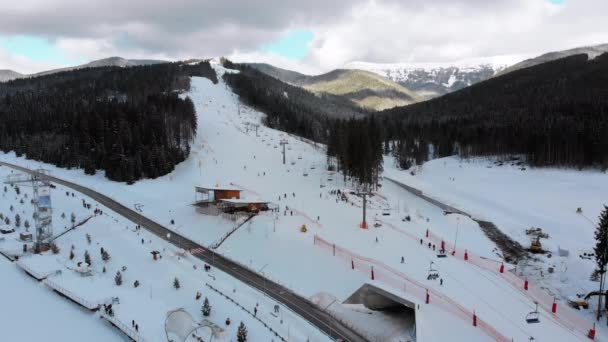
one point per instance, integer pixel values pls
(402, 260)
(441, 281)
(376, 239)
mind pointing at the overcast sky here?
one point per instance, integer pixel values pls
(310, 36)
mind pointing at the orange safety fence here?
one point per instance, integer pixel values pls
(564, 315)
(379, 271)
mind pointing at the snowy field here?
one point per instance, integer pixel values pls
(225, 152)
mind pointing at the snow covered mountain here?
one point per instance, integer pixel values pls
(590, 51)
(430, 80)
(7, 75)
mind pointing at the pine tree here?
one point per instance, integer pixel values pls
(26, 224)
(118, 278)
(176, 284)
(17, 220)
(87, 257)
(88, 238)
(54, 248)
(206, 309)
(73, 218)
(601, 249)
(105, 256)
(136, 283)
(241, 334)
(601, 237)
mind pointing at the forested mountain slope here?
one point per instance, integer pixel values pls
(290, 108)
(129, 122)
(555, 114)
(352, 134)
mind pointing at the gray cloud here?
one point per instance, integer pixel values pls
(345, 30)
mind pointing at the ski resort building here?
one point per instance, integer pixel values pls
(214, 200)
(214, 194)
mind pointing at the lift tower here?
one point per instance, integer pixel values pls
(43, 210)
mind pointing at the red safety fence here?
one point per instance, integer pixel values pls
(379, 271)
(562, 315)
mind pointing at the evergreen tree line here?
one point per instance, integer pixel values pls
(354, 147)
(553, 114)
(129, 122)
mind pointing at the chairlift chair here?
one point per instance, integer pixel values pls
(441, 253)
(534, 316)
(433, 273)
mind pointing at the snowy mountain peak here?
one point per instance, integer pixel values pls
(434, 79)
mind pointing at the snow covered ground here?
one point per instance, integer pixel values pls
(516, 200)
(130, 253)
(31, 312)
(225, 152)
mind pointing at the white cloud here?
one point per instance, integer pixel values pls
(23, 64)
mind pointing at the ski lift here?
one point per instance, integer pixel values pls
(533, 317)
(433, 273)
(386, 212)
(305, 174)
(300, 156)
(441, 253)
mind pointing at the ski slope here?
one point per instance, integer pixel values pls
(516, 200)
(225, 152)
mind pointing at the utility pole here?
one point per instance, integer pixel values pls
(456, 238)
(283, 142)
(43, 210)
(364, 195)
